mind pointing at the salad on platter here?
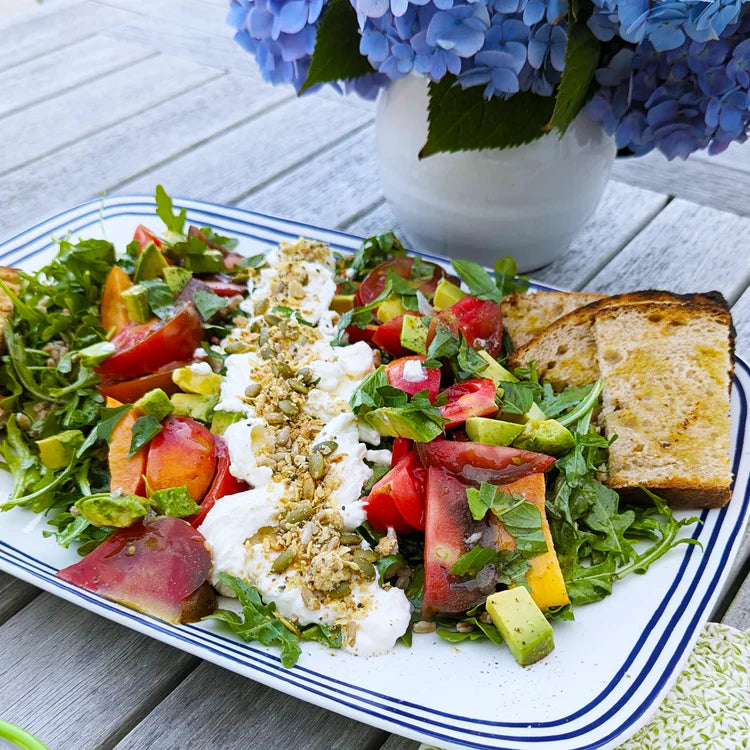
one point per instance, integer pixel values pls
(332, 443)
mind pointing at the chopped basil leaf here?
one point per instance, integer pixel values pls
(473, 561)
(477, 279)
(507, 278)
(110, 416)
(208, 303)
(375, 250)
(160, 298)
(253, 261)
(144, 429)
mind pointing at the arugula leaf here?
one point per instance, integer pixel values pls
(521, 518)
(258, 621)
(144, 429)
(554, 404)
(165, 211)
(471, 562)
(476, 278)
(375, 250)
(329, 636)
(208, 303)
(507, 279)
(512, 568)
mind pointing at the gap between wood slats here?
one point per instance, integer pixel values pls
(58, 122)
(14, 595)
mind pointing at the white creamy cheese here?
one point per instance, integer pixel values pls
(382, 457)
(413, 371)
(245, 440)
(201, 368)
(236, 381)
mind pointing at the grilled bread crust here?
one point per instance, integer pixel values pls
(667, 376)
(565, 351)
(527, 315)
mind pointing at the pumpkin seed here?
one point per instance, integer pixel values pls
(236, 347)
(274, 417)
(285, 370)
(300, 513)
(305, 374)
(341, 590)
(350, 538)
(287, 407)
(272, 319)
(308, 489)
(283, 561)
(267, 352)
(317, 465)
(261, 306)
(297, 385)
(369, 554)
(252, 390)
(325, 448)
(367, 568)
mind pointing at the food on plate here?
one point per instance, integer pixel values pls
(666, 363)
(340, 446)
(527, 315)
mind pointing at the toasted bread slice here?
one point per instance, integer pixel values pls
(667, 374)
(565, 351)
(10, 277)
(527, 315)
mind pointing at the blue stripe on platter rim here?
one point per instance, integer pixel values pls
(232, 646)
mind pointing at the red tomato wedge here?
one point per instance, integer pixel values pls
(401, 446)
(448, 523)
(182, 455)
(472, 398)
(152, 566)
(225, 287)
(397, 500)
(361, 334)
(388, 337)
(144, 348)
(128, 391)
(224, 483)
(480, 321)
(373, 284)
(476, 462)
(144, 236)
(430, 382)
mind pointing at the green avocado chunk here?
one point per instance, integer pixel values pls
(391, 421)
(174, 501)
(446, 294)
(222, 419)
(492, 431)
(194, 405)
(495, 370)
(57, 451)
(545, 436)
(156, 403)
(136, 303)
(151, 264)
(414, 334)
(176, 278)
(389, 308)
(534, 414)
(106, 509)
(521, 623)
(203, 383)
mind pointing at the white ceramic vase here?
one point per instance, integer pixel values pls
(527, 202)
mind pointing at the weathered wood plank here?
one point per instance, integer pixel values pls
(35, 35)
(328, 190)
(738, 614)
(14, 595)
(741, 316)
(621, 214)
(687, 248)
(48, 75)
(394, 742)
(247, 157)
(45, 127)
(243, 714)
(105, 160)
(203, 17)
(74, 679)
(701, 179)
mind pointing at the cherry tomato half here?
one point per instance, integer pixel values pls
(471, 398)
(480, 321)
(397, 500)
(144, 236)
(373, 284)
(430, 382)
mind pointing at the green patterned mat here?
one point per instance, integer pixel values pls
(709, 705)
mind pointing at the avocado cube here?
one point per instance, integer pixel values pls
(545, 436)
(194, 405)
(205, 384)
(176, 278)
(492, 431)
(222, 419)
(495, 370)
(342, 302)
(446, 294)
(212, 261)
(390, 308)
(112, 510)
(521, 623)
(414, 334)
(156, 403)
(136, 303)
(57, 451)
(151, 264)
(533, 414)
(96, 353)
(174, 501)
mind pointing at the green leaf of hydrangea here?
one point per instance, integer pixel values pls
(336, 56)
(581, 60)
(463, 120)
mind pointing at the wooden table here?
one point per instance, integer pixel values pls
(117, 95)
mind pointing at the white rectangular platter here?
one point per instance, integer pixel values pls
(607, 674)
